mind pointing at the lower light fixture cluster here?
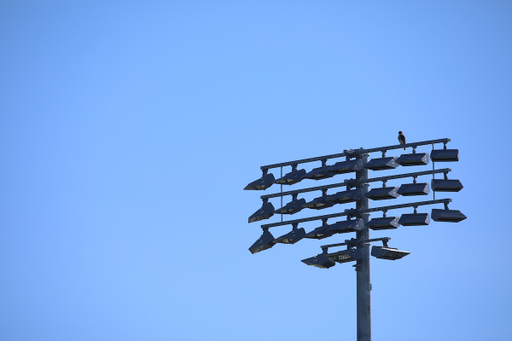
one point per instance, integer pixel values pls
(353, 252)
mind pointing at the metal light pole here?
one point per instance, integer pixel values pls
(364, 285)
(358, 249)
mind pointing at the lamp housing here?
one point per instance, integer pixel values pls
(450, 216)
(319, 203)
(346, 256)
(384, 223)
(414, 159)
(383, 193)
(266, 241)
(391, 253)
(446, 185)
(382, 163)
(320, 232)
(262, 183)
(346, 166)
(293, 177)
(347, 226)
(319, 173)
(320, 261)
(292, 207)
(414, 219)
(419, 188)
(444, 155)
(345, 196)
(266, 211)
(292, 237)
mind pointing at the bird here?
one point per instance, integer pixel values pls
(401, 138)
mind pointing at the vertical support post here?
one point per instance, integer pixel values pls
(364, 286)
(281, 192)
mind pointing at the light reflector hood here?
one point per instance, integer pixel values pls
(449, 216)
(444, 155)
(319, 203)
(382, 163)
(346, 166)
(346, 196)
(320, 261)
(292, 207)
(445, 185)
(345, 256)
(319, 173)
(419, 188)
(292, 177)
(384, 223)
(390, 253)
(347, 226)
(262, 183)
(266, 241)
(292, 237)
(383, 193)
(415, 159)
(266, 211)
(414, 219)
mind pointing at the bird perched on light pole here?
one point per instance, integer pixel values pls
(401, 138)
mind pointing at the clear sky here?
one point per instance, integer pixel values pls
(128, 130)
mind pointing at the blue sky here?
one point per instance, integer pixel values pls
(128, 130)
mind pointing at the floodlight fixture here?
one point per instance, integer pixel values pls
(346, 196)
(347, 226)
(320, 232)
(383, 193)
(446, 185)
(414, 159)
(414, 219)
(292, 237)
(345, 256)
(383, 163)
(266, 241)
(386, 252)
(292, 207)
(293, 177)
(444, 155)
(266, 211)
(346, 166)
(319, 173)
(383, 223)
(446, 215)
(320, 202)
(320, 261)
(416, 188)
(262, 183)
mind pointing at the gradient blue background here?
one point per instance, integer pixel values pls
(128, 130)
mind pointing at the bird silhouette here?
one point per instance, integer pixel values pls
(401, 138)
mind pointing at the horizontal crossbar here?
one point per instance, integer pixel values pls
(356, 212)
(354, 153)
(354, 183)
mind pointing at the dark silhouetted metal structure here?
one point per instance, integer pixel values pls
(357, 220)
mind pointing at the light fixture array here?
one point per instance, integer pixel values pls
(356, 190)
(356, 220)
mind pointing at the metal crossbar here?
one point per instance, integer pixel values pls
(356, 212)
(355, 242)
(355, 152)
(353, 182)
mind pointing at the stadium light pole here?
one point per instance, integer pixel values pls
(358, 249)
